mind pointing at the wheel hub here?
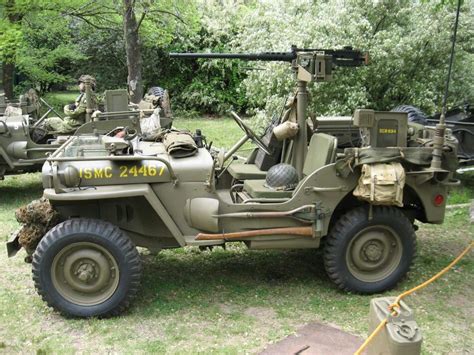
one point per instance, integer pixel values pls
(85, 273)
(373, 253)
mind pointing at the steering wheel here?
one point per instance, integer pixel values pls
(251, 134)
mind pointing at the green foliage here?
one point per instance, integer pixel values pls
(40, 48)
(408, 44)
(203, 85)
(10, 40)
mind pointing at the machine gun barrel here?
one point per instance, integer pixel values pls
(346, 57)
(265, 56)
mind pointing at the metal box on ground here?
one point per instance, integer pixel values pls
(400, 336)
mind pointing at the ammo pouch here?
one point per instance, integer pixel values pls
(381, 184)
(180, 144)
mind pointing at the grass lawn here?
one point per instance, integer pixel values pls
(234, 300)
(58, 99)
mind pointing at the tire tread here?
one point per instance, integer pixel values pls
(106, 230)
(335, 240)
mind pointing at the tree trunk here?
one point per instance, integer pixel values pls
(133, 52)
(8, 65)
(8, 72)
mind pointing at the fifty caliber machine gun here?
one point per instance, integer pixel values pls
(308, 65)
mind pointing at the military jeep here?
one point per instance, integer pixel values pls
(25, 145)
(114, 194)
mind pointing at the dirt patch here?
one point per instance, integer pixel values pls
(263, 314)
(149, 329)
(463, 301)
(316, 338)
(226, 308)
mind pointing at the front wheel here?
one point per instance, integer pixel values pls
(370, 256)
(86, 268)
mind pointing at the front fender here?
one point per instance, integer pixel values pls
(100, 193)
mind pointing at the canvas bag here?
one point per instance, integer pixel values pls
(381, 184)
(180, 144)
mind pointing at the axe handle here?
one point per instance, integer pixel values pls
(300, 231)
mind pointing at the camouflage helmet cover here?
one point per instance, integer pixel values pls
(90, 78)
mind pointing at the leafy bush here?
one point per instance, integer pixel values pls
(408, 43)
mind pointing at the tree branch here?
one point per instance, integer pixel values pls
(169, 13)
(93, 24)
(142, 17)
(379, 24)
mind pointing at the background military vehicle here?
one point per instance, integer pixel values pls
(460, 119)
(25, 145)
(113, 194)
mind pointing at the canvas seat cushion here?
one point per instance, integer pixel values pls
(246, 171)
(257, 189)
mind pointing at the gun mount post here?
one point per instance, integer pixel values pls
(88, 89)
(302, 137)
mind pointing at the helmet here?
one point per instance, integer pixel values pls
(281, 177)
(90, 78)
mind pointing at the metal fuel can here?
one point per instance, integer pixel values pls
(400, 336)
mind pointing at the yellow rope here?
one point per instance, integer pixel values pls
(395, 306)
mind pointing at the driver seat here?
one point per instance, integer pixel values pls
(321, 152)
(246, 172)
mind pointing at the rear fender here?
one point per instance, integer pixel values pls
(425, 194)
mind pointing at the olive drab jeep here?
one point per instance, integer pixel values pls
(113, 194)
(25, 144)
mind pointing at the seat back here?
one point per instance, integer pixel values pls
(116, 100)
(321, 152)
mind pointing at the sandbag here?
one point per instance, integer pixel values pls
(381, 184)
(151, 124)
(180, 144)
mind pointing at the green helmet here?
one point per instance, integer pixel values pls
(90, 78)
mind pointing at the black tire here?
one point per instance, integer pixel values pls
(369, 256)
(414, 114)
(98, 252)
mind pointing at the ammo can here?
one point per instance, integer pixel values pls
(400, 335)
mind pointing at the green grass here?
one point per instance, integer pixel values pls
(234, 300)
(222, 132)
(465, 192)
(58, 99)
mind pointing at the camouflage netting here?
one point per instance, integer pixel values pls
(37, 218)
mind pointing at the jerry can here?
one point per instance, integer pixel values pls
(401, 335)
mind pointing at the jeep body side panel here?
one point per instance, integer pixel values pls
(122, 205)
(323, 188)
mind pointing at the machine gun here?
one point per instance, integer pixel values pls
(343, 57)
(308, 65)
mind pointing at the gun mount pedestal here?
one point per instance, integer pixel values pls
(300, 151)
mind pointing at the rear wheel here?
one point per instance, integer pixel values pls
(369, 256)
(86, 267)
